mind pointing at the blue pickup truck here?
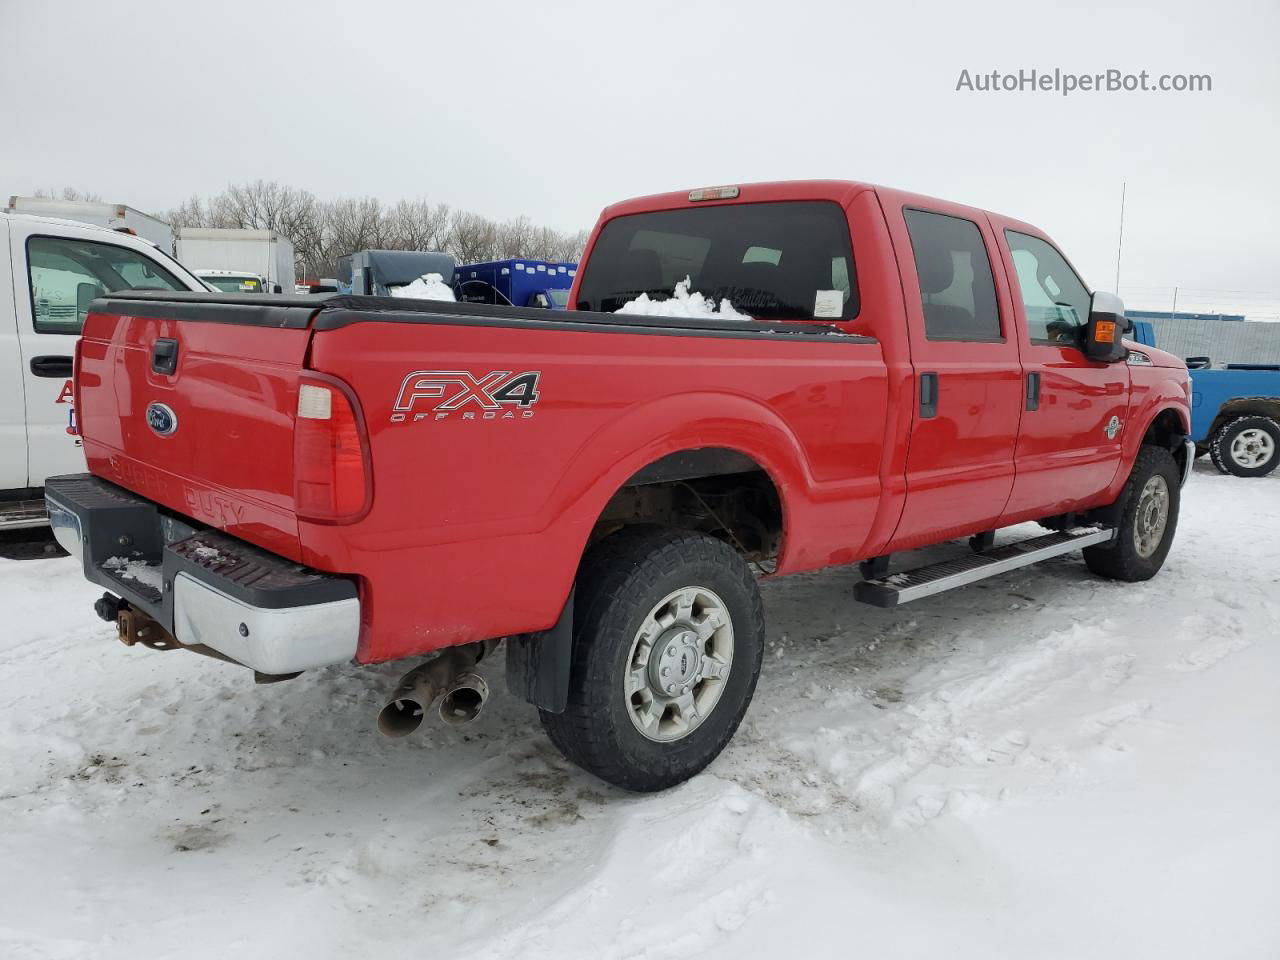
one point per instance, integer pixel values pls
(1235, 411)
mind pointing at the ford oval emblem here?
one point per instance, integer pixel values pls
(161, 419)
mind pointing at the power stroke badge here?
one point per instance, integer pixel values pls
(431, 395)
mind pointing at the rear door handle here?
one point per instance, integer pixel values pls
(164, 356)
(928, 395)
(1033, 391)
(53, 367)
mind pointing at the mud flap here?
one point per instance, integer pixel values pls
(538, 664)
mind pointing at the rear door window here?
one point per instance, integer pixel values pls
(786, 261)
(957, 290)
(64, 275)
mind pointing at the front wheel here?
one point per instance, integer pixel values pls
(1151, 499)
(1246, 447)
(668, 639)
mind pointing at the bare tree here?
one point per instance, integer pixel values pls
(192, 212)
(417, 225)
(324, 230)
(355, 225)
(69, 193)
(515, 238)
(472, 238)
(263, 205)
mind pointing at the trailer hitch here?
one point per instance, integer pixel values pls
(135, 627)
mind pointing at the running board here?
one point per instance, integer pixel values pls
(20, 514)
(899, 588)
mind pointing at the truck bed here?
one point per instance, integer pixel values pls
(491, 503)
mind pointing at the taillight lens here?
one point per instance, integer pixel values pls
(331, 473)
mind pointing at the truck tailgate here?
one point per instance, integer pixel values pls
(191, 403)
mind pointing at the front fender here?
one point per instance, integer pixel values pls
(1142, 423)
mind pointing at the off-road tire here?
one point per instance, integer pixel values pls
(621, 579)
(1119, 559)
(1220, 446)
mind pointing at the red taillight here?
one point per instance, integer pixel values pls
(330, 453)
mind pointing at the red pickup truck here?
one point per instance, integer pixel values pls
(299, 481)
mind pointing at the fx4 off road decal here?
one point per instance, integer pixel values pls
(462, 395)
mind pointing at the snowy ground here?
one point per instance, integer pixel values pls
(1048, 765)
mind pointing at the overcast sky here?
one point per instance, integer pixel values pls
(555, 109)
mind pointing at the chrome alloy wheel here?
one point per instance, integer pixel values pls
(1252, 448)
(679, 663)
(1152, 516)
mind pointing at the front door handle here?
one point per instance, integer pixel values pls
(928, 395)
(53, 367)
(1033, 391)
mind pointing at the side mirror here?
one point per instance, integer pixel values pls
(1103, 334)
(86, 293)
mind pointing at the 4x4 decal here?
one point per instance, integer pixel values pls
(442, 394)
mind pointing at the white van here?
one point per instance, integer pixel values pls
(50, 272)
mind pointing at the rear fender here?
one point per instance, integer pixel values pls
(610, 457)
(538, 665)
(1245, 407)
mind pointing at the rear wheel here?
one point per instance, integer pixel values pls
(1151, 499)
(668, 639)
(1246, 447)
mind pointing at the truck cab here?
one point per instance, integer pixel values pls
(52, 270)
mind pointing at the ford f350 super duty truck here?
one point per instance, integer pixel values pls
(292, 482)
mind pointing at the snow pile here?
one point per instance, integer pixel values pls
(137, 570)
(682, 304)
(1048, 766)
(429, 286)
(208, 554)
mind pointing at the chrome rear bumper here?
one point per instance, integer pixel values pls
(202, 586)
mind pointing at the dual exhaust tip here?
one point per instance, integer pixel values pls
(450, 679)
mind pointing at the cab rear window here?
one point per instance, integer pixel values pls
(778, 261)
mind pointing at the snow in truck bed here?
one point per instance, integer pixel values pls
(682, 303)
(429, 286)
(1046, 765)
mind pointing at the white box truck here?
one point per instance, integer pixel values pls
(113, 216)
(222, 254)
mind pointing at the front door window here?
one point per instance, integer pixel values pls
(65, 275)
(1054, 298)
